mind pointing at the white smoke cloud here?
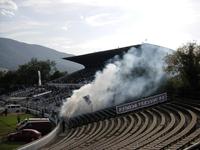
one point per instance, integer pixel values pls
(138, 73)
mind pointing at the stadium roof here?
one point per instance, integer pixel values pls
(99, 58)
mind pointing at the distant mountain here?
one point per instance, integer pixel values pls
(14, 53)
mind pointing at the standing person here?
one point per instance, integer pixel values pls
(42, 112)
(57, 119)
(63, 125)
(18, 118)
(6, 112)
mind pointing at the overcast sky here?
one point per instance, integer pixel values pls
(84, 26)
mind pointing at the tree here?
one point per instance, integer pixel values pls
(7, 80)
(184, 66)
(57, 74)
(28, 73)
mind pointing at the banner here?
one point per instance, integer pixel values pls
(149, 101)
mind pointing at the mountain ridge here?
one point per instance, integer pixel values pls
(14, 53)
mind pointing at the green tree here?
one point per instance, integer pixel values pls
(184, 67)
(7, 81)
(1, 74)
(57, 74)
(28, 73)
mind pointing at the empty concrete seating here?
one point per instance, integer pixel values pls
(166, 139)
(132, 129)
(151, 135)
(194, 134)
(108, 125)
(117, 135)
(165, 129)
(125, 134)
(148, 131)
(166, 126)
(180, 134)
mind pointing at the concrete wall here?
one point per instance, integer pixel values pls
(193, 147)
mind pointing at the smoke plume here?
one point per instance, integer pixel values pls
(138, 73)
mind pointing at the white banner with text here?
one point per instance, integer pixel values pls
(149, 101)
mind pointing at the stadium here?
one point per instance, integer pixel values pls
(147, 121)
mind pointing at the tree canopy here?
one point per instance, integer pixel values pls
(27, 74)
(184, 67)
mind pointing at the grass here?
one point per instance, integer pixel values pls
(8, 125)
(6, 145)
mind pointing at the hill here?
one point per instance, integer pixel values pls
(14, 53)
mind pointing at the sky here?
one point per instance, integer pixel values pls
(84, 26)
